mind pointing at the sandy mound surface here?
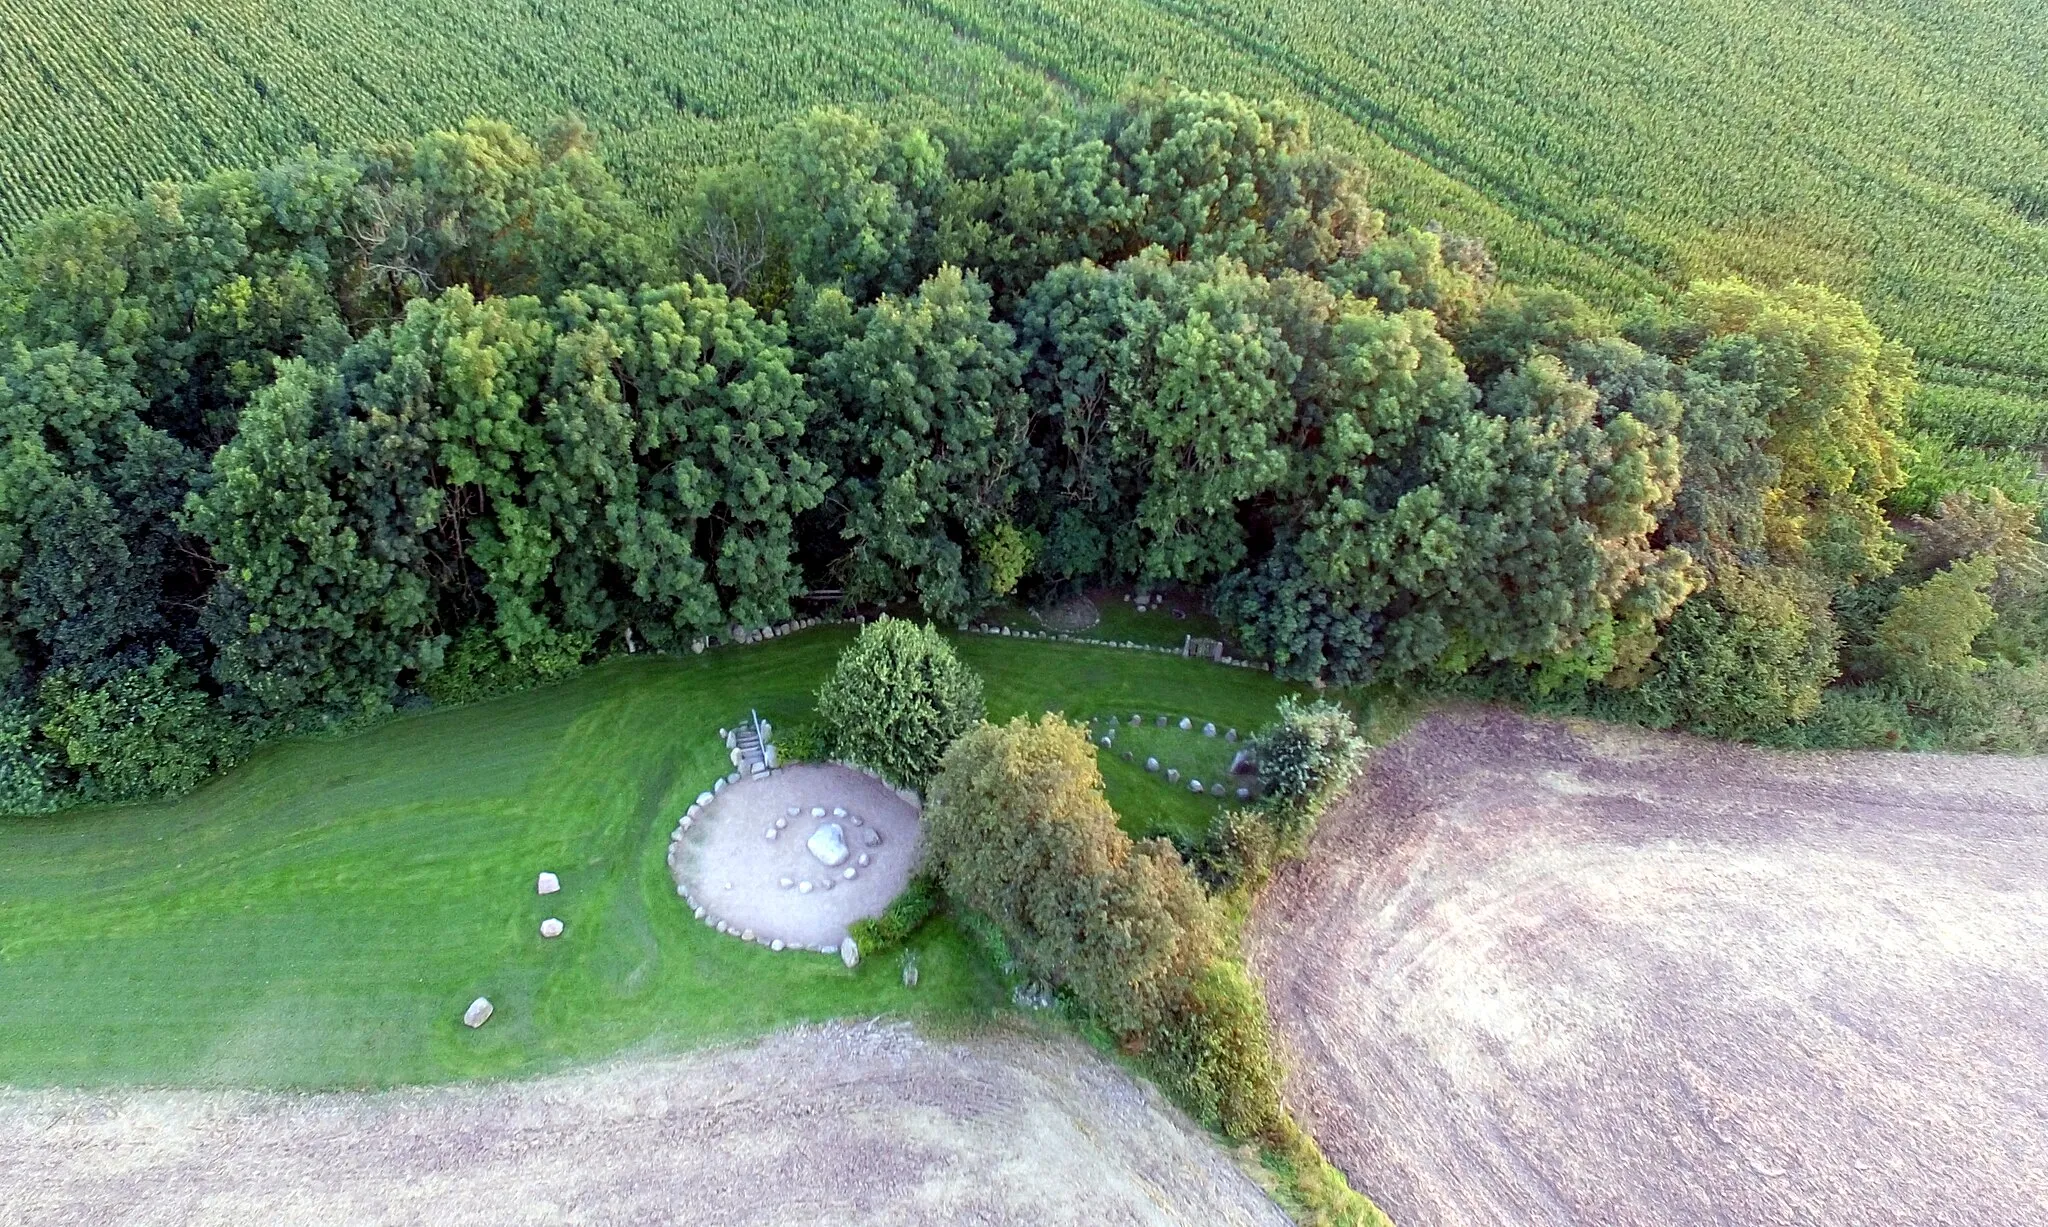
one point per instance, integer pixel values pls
(730, 866)
(836, 1125)
(1540, 974)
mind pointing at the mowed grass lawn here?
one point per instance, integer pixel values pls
(320, 916)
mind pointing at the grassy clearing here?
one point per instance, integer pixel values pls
(320, 916)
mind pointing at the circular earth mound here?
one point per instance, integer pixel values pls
(1537, 973)
(782, 888)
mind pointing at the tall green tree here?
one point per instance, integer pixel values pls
(924, 421)
(316, 516)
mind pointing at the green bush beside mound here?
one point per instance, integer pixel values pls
(897, 698)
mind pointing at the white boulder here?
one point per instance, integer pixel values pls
(548, 884)
(478, 1013)
(849, 952)
(828, 844)
(551, 927)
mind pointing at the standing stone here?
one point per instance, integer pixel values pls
(747, 935)
(551, 927)
(776, 944)
(804, 887)
(718, 785)
(1194, 786)
(1161, 722)
(770, 835)
(697, 914)
(1208, 730)
(909, 974)
(548, 884)
(1134, 719)
(1244, 794)
(1215, 790)
(849, 952)
(1231, 735)
(478, 1013)
(1173, 775)
(1151, 764)
(768, 756)
(863, 860)
(1186, 724)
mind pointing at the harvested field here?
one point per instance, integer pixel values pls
(842, 1124)
(1537, 973)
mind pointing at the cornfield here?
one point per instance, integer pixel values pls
(1895, 149)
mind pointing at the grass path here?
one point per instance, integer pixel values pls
(320, 916)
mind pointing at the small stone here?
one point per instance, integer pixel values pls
(849, 952)
(1127, 756)
(803, 888)
(1186, 724)
(828, 950)
(734, 778)
(849, 873)
(721, 926)
(1151, 764)
(703, 799)
(1173, 775)
(548, 884)
(1134, 719)
(856, 820)
(682, 891)
(781, 823)
(838, 812)
(1215, 790)
(1244, 794)
(786, 883)
(1194, 786)
(817, 811)
(728, 885)
(1107, 742)
(698, 914)
(910, 975)
(863, 860)
(770, 834)
(725, 735)
(1208, 730)
(794, 811)
(776, 944)
(1231, 735)
(690, 812)
(478, 1013)
(871, 837)
(718, 785)
(827, 884)
(747, 935)
(551, 927)
(1161, 722)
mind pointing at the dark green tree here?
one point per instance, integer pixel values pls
(896, 699)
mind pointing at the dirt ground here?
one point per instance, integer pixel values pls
(1544, 974)
(730, 866)
(835, 1125)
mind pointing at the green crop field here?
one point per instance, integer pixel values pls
(1897, 149)
(321, 915)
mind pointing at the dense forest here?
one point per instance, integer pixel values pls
(288, 447)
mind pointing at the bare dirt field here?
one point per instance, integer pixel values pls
(1537, 973)
(777, 888)
(832, 1125)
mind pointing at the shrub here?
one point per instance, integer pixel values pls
(1928, 633)
(1748, 656)
(1239, 851)
(477, 667)
(1217, 1056)
(26, 762)
(1017, 828)
(799, 743)
(142, 729)
(1306, 757)
(897, 698)
(904, 916)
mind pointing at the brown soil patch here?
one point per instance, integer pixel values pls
(1538, 973)
(834, 1125)
(730, 866)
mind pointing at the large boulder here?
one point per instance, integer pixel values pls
(828, 844)
(478, 1013)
